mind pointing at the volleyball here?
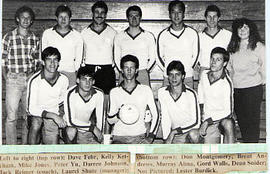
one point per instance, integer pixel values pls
(129, 114)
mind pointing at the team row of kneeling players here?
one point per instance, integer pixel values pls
(133, 115)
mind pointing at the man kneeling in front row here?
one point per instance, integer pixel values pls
(128, 105)
(82, 103)
(215, 93)
(179, 108)
(45, 95)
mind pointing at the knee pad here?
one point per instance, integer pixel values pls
(66, 138)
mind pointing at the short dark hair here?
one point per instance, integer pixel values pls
(22, 10)
(100, 4)
(84, 71)
(134, 8)
(176, 65)
(63, 8)
(131, 58)
(224, 52)
(175, 3)
(212, 8)
(50, 51)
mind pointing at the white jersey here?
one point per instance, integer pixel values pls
(98, 47)
(78, 111)
(70, 47)
(143, 46)
(141, 97)
(184, 48)
(216, 97)
(43, 97)
(207, 43)
(181, 114)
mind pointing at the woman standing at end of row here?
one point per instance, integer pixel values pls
(247, 69)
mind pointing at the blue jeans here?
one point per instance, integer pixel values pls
(16, 85)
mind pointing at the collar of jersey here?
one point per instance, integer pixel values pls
(43, 77)
(170, 27)
(89, 26)
(169, 90)
(219, 29)
(93, 92)
(121, 85)
(62, 35)
(126, 31)
(223, 75)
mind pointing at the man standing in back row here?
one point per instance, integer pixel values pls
(137, 42)
(98, 50)
(19, 60)
(178, 42)
(67, 40)
(212, 36)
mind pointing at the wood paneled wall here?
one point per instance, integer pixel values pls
(155, 14)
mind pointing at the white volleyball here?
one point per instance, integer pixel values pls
(129, 114)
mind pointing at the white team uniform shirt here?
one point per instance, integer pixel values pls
(184, 48)
(207, 43)
(141, 97)
(143, 46)
(70, 47)
(44, 97)
(79, 111)
(98, 47)
(216, 97)
(182, 114)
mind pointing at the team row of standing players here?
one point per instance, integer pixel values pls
(98, 44)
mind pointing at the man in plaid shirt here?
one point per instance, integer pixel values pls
(19, 61)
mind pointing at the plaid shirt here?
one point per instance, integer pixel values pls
(18, 54)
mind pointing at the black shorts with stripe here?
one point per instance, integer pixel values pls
(104, 77)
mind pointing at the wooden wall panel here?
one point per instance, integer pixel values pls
(151, 10)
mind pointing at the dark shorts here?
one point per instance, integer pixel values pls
(105, 77)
